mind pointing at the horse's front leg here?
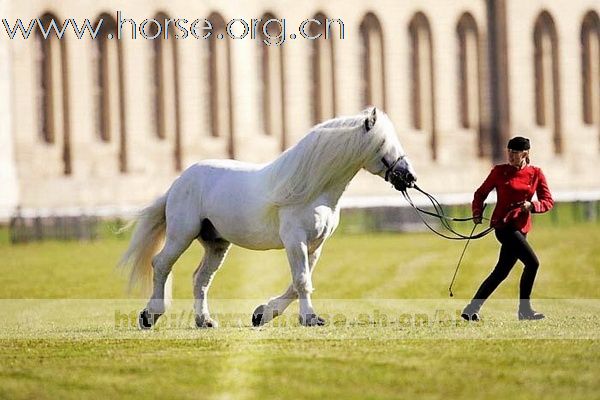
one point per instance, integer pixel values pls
(297, 252)
(277, 305)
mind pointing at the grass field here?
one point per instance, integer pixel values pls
(69, 343)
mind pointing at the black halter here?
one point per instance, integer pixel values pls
(398, 179)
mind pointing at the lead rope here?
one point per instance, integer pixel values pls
(439, 213)
(459, 261)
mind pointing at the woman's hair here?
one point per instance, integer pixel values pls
(519, 143)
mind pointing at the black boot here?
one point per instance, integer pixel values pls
(527, 313)
(471, 312)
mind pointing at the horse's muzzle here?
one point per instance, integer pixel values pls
(401, 180)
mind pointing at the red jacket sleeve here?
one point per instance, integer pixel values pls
(544, 198)
(482, 193)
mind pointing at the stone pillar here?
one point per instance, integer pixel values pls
(9, 195)
(498, 70)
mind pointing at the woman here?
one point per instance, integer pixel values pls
(515, 184)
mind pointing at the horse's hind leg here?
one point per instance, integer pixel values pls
(214, 253)
(177, 241)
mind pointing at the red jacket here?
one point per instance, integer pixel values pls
(513, 186)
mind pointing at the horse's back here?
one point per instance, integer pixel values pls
(226, 165)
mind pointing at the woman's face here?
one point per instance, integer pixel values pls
(517, 158)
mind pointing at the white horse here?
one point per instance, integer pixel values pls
(291, 203)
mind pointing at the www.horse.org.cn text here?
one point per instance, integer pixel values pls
(271, 31)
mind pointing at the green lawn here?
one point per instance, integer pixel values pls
(70, 341)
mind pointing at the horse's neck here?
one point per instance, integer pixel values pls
(299, 177)
(335, 190)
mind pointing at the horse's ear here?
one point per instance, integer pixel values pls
(371, 119)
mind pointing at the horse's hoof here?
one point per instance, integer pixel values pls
(147, 320)
(311, 320)
(203, 321)
(257, 315)
(262, 315)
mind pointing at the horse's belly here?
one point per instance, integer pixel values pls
(251, 239)
(252, 230)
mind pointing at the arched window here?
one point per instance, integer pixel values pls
(52, 88)
(273, 80)
(468, 61)
(422, 77)
(547, 99)
(590, 67)
(323, 73)
(219, 75)
(469, 89)
(166, 82)
(108, 61)
(373, 61)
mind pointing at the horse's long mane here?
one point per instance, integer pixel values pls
(333, 151)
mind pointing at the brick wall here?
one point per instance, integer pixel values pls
(96, 181)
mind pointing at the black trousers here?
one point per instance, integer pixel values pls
(514, 247)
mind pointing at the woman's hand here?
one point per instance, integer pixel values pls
(526, 206)
(477, 219)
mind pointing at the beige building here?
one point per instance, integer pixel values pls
(106, 124)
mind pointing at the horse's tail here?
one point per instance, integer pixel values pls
(147, 238)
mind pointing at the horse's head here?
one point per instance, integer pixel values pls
(388, 159)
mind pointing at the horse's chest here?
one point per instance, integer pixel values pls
(325, 223)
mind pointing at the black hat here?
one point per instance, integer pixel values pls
(518, 143)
